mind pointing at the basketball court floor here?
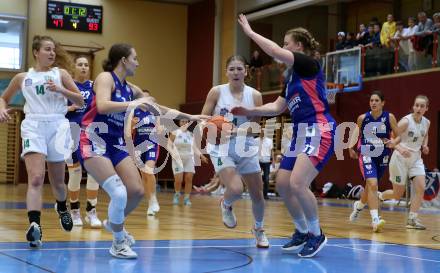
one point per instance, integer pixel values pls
(193, 239)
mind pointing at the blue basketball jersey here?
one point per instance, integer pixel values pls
(86, 89)
(374, 130)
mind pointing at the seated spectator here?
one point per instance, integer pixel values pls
(388, 30)
(362, 35)
(350, 42)
(341, 41)
(256, 61)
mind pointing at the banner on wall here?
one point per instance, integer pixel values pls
(18, 99)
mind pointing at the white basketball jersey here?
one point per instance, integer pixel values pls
(413, 137)
(183, 143)
(226, 102)
(39, 100)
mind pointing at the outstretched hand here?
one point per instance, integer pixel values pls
(240, 111)
(242, 20)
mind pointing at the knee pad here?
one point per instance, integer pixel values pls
(75, 175)
(118, 199)
(92, 185)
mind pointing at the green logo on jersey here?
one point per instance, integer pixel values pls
(40, 89)
(397, 178)
(219, 162)
(26, 143)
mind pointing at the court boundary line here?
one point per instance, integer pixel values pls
(26, 262)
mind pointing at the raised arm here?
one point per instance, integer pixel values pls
(9, 93)
(268, 46)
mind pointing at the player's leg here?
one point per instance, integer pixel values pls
(177, 166)
(92, 199)
(418, 183)
(188, 178)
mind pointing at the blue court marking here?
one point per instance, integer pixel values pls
(22, 205)
(238, 255)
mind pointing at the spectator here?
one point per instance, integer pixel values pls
(369, 36)
(350, 42)
(398, 41)
(425, 25)
(423, 41)
(375, 40)
(388, 30)
(341, 41)
(256, 61)
(436, 29)
(410, 31)
(275, 166)
(362, 35)
(265, 144)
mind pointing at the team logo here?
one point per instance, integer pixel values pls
(121, 141)
(432, 186)
(28, 82)
(385, 159)
(398, 179)
(366, 159)
(118, 93)
(224, 111)
(383, 119)
(368, 167)
(410, 133)
(415, 139)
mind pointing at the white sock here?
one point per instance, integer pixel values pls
(301, 225)
(93, 202)
(412, 215)
(186, 196)
(374, 215)
(119, 235)
(360, 205)
(314, 227)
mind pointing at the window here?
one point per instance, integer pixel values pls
(12, 40)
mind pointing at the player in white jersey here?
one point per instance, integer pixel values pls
(45, 131)
(406, 162)
(231, 159)
(183, 162)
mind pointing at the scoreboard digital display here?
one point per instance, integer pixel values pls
(73, 16)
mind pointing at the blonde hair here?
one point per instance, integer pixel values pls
(302, 35)
(62, 59)
(424, 98)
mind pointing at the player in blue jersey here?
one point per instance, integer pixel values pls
(75, 115)
(374, 148)
(312, 143)
(103, 148)
(145, 132)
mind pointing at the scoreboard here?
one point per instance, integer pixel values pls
(73, 16)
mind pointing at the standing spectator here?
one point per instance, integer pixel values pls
(375, 40)
(398, 41)
(350, 42)
(265, 144)
(341, 41)
(256, 61)
(423, 33)
(388, 30)
(407, 35)
(362, 35)
(436, 29)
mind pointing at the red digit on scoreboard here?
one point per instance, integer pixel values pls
(58, 22)
(93, 26)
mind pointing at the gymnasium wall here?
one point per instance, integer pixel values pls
(157, 31)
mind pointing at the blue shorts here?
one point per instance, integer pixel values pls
(373, 167)
(151, 152)
(111, 147)
(319, 150)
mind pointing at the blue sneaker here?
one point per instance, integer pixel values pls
(297, 242)
(313, 246)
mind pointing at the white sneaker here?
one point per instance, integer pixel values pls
(356, 212)
(150, 211)
(228, 216)
(260, 238)
(92, 219)
(128, 237)
(76, 217)
(414, 223)
(33, 235)
(378, 226)
(155, 206)
(121, 249)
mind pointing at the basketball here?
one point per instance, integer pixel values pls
(212, 132)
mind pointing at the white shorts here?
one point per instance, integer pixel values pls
(51, 138)
(402, 169)
(185, 165)
(244, 162)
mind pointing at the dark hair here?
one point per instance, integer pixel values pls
(236, 58)
(302, 35)
(399, 23)
(62, 58)
(115, 54)
(422, 97)
(412, 18)
(379, 94)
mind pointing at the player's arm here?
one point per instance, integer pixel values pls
(103, 87)
(9, 93)
(211, 101)
(402, 126)
(425, 148)
(70, 90)
(268, 46)
(395, 139)
(269, 109)
(355, 137)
